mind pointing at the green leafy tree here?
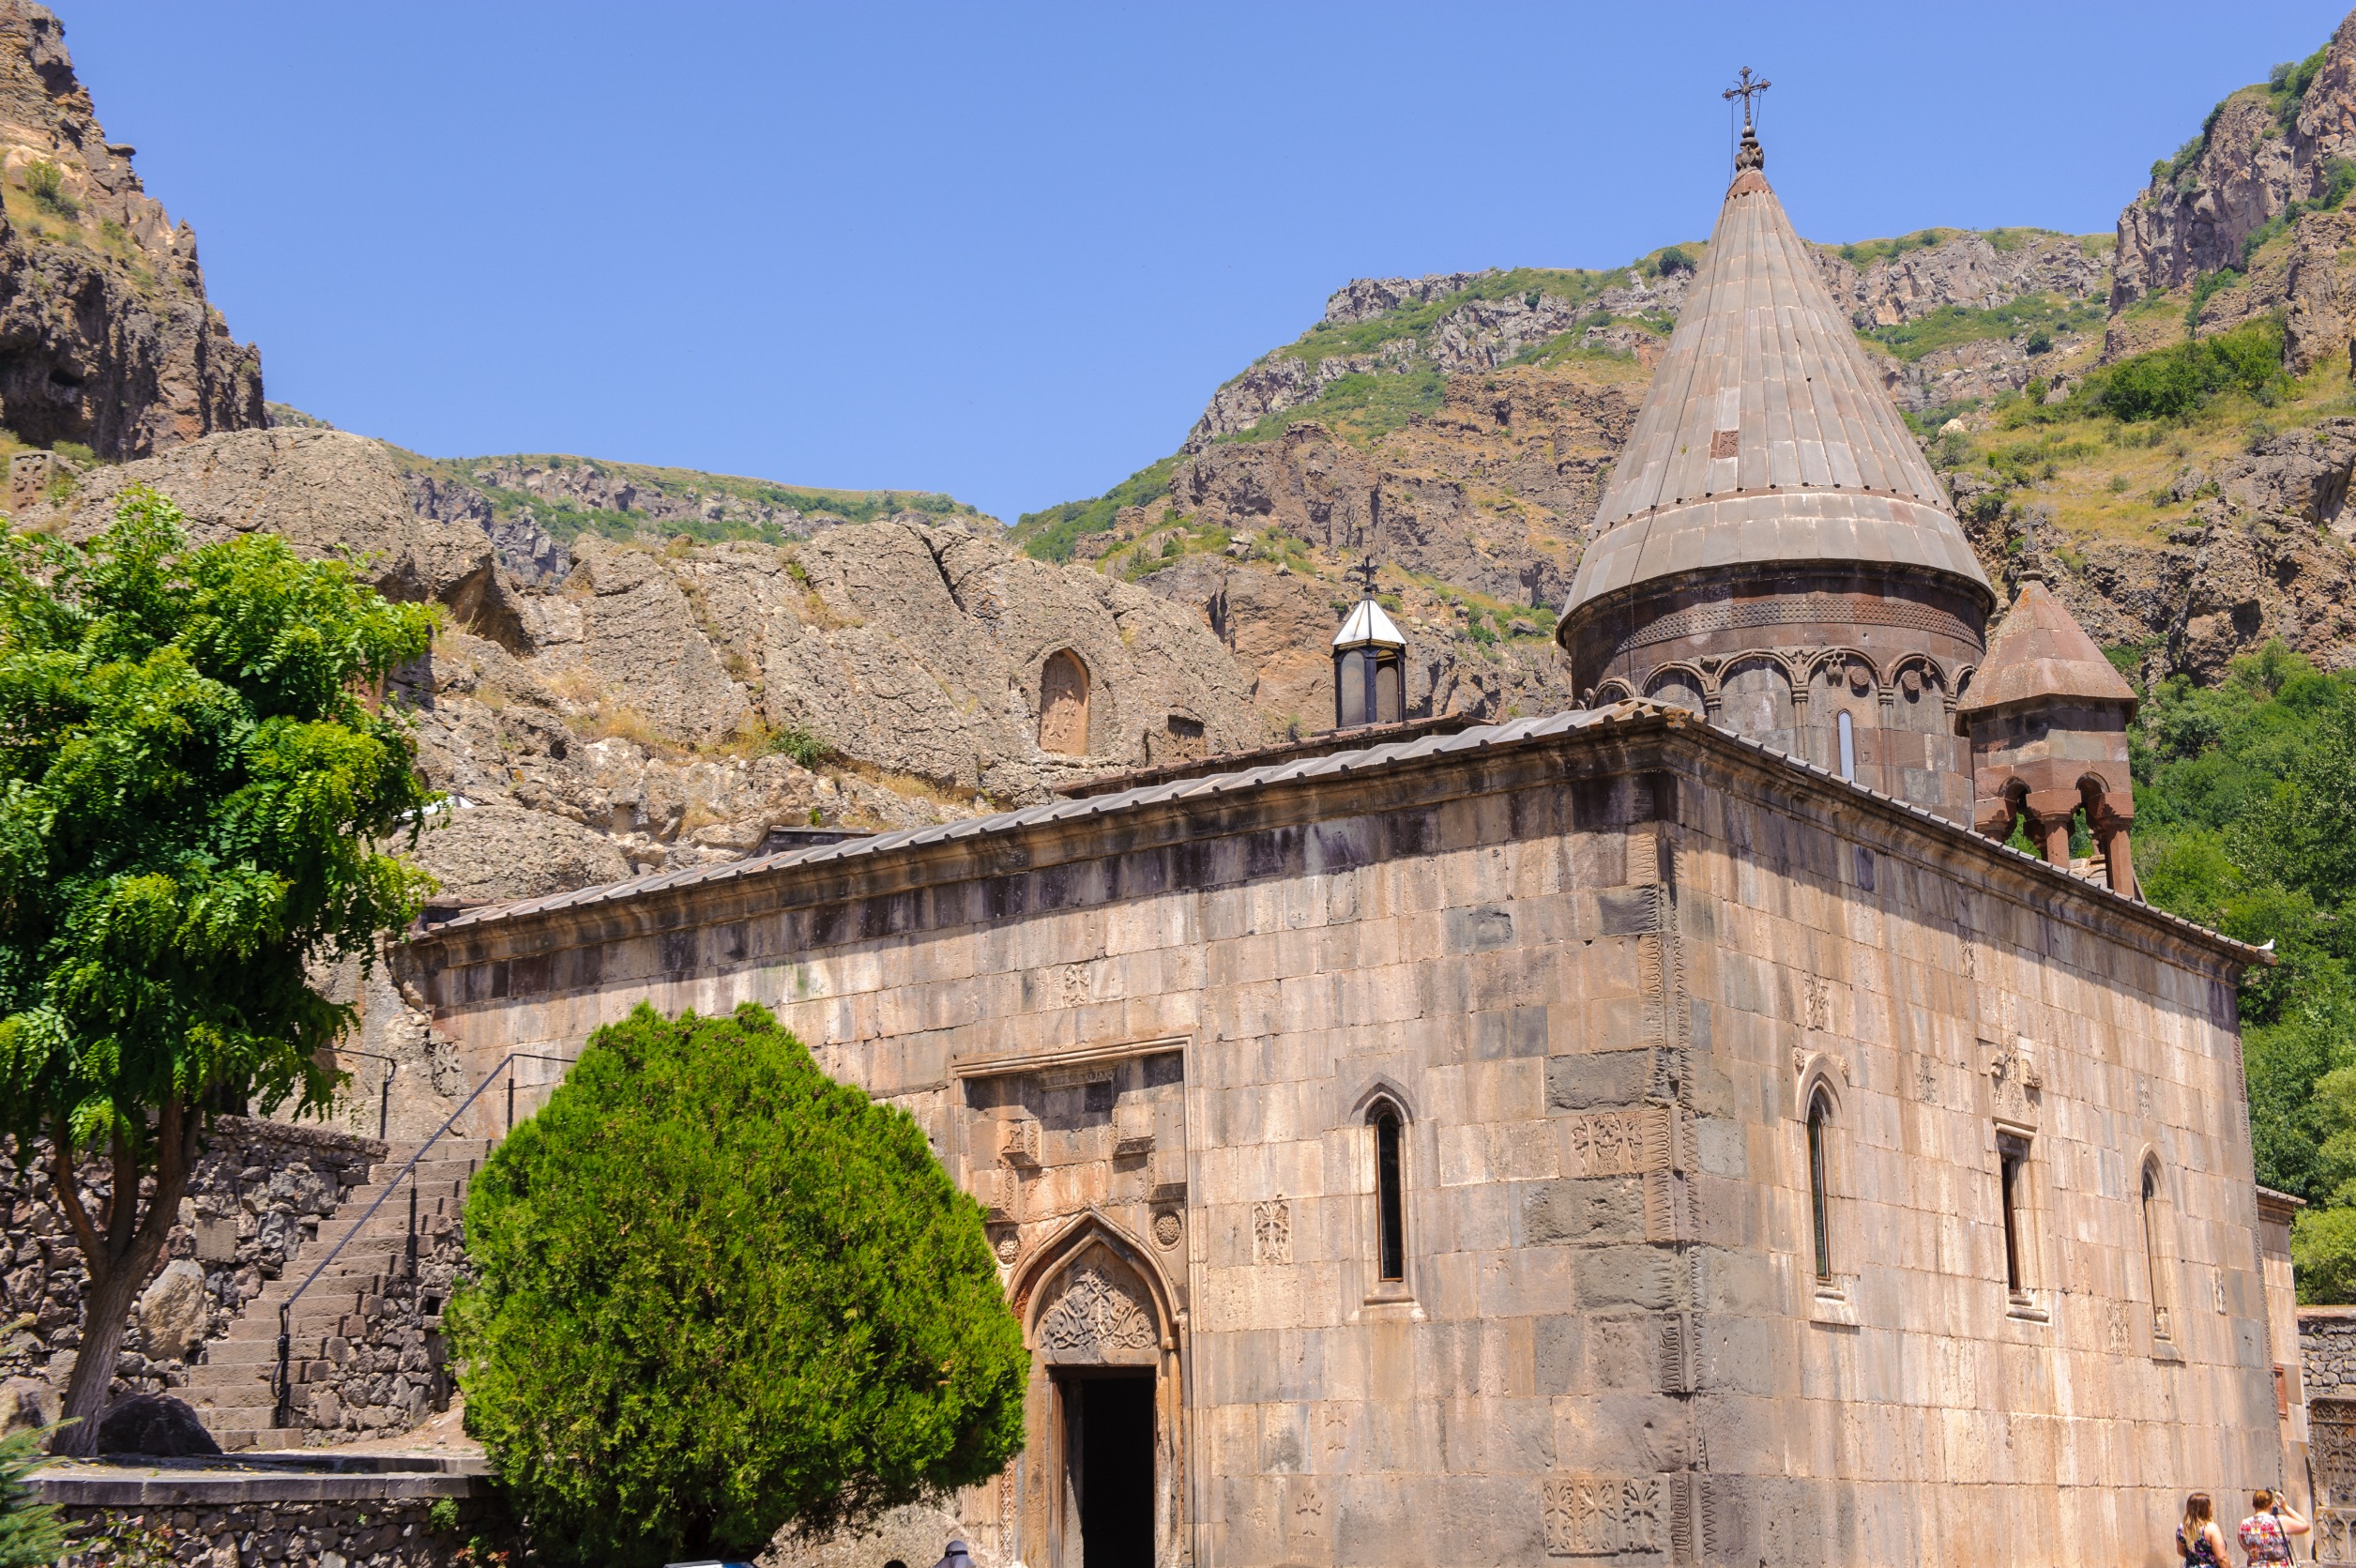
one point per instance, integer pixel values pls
(719, 1293)
(192, 794)
(2246, 822)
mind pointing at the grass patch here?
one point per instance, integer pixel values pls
(1576, 286)
(1953, 325)
(568, 521)
(46, 184)
(2168, 383)
(1863, 254)
(1359, 406)
(1054, 534)
(2072, 457)
(798, 746)
(1571, 347)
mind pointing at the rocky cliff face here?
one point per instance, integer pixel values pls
(1965, 269)
(662, 704)
(2261, 150)
(106, 338)
(1480, 503)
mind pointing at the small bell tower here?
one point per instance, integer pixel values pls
(1370, 660)
(2047, 717)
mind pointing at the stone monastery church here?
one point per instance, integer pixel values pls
(1677, 1130)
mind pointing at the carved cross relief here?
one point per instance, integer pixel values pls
(1272, 1232)
(1600, 1516)
(2017, 1081)
(1101, 1316)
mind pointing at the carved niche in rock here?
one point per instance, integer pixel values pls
(1102, 1313)
(1063, 705)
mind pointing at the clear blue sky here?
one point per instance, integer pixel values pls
(1007, 252)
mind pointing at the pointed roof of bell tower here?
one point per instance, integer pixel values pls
(1765, 437)
(2041, 654)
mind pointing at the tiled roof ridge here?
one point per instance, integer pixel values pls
(1510, 732)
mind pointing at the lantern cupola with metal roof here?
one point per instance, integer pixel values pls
(1370, 660)
(1772, 550)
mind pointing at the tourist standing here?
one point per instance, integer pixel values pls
(2266, 1534)
(2198, 1541)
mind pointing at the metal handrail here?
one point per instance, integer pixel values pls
(286, 1309)
(384, 1098)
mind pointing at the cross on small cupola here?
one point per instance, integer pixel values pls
(1369, 660)
(1746, 87)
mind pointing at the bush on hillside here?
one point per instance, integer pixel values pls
(721, 1293)
(46, 184)
(2169, 383)
(2245, 821)
(1674, 260)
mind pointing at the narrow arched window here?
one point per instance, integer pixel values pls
(2154, 1254)
(1847, 728)
(1391, 1217)
(1820, 1208)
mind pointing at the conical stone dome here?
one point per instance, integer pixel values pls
(1772, 549)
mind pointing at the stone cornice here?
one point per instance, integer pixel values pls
(1629, 737)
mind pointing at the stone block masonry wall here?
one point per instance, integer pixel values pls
(388, 1370)
(361, 1307)
(259, 1193)
(1595, 984)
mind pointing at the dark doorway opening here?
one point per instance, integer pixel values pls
(1108, 1440)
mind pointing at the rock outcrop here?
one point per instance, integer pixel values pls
(653, 706)
(1976, 271)
(106, 336)
(2320, 294)
(2262, 150)
(326, 491)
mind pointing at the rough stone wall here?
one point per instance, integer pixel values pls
(1598, 979)
(388, 1370)
(367, 1532)
(2327, 1352)
(260, 1191)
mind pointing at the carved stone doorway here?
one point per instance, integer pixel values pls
(1108, 1481)
(1103, 1479)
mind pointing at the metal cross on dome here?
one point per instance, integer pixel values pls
(1363, 570)
(1744, 88)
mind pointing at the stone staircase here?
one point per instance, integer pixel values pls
(232, 1389)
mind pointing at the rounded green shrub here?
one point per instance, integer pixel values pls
(719, 1293)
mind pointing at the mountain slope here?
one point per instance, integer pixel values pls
(106, 339)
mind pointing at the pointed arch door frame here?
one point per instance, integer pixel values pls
(1081, 1297)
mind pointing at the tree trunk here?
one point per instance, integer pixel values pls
(120, 1248)
(105, 1314)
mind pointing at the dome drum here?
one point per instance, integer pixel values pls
(1781, 656)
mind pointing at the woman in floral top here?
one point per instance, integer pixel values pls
(2266, 1534)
